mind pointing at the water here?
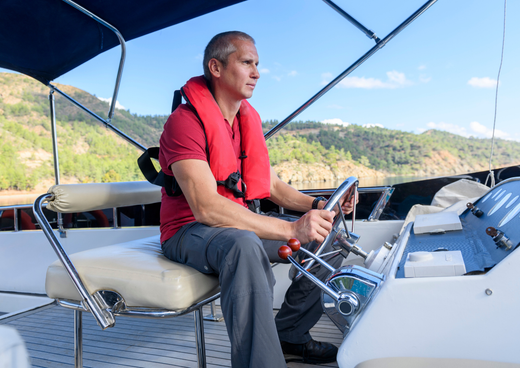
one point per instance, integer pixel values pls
(363, 182)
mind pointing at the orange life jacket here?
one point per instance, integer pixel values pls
(222, 160)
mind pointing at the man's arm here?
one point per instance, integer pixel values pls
(210, 208)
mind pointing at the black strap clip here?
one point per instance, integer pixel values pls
(231, 183)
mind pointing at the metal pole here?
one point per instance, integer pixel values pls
(54, 138)
(350, 69)
(78, 339)
(115, 222)
(15, 219)
(103, 317)
(97, 117)
(199, 331)
(63, 233)
(123, 52)
(347, 16)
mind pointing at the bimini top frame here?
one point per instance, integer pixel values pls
(30, 52)
(379, 44)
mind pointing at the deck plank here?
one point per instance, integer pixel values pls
(133, 343)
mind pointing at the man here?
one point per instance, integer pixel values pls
(206, 144)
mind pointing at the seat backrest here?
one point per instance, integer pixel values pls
(69, 198)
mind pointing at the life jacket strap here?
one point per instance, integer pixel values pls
(231, 184)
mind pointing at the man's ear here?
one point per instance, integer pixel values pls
(215, 67)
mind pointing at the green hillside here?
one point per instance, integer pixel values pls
(89, 152)
(396, 152)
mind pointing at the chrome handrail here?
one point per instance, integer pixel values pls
(103, 317)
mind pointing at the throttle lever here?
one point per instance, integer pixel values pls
(285, 252)
(346, 303)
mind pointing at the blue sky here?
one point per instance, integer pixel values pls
(440, 72)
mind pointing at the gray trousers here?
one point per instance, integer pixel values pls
(243, 263)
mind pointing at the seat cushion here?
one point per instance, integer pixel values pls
(138, 271)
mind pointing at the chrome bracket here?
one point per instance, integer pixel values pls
(213, 316)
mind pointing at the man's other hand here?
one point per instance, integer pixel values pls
(347, 202)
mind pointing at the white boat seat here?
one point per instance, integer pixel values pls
(138, 271)
(150, 284)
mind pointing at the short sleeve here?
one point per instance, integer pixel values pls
(182, 139)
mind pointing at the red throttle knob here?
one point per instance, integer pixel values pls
(284, 252)
(294, 244)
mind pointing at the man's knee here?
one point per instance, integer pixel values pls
(247, 244)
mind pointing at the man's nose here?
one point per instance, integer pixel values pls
(256, 73)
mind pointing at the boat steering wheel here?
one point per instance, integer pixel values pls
(335, 200)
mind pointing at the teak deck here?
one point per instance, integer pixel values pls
(133, 342)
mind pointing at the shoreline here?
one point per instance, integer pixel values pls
(15, 197)
(19, 197)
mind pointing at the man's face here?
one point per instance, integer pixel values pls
(238, 79)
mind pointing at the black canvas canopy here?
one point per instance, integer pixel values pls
(47, 38)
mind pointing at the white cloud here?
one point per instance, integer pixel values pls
(292, 73)
(485, 82)
(373, 125)
(276, 78)
(361, 82)
(395, 80)
(484, 132)
(264, 71)
(109, 100)
(335, 121)
(421, 67)
(451, 128)
(476, 130)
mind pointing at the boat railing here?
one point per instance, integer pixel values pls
(23, 217)
(5, 212)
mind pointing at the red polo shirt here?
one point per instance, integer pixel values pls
(182, 139)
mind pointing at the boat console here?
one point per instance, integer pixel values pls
(489, 231)
(431, 285)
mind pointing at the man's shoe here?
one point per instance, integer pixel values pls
(314, 352)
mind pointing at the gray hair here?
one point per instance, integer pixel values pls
(220, 47)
